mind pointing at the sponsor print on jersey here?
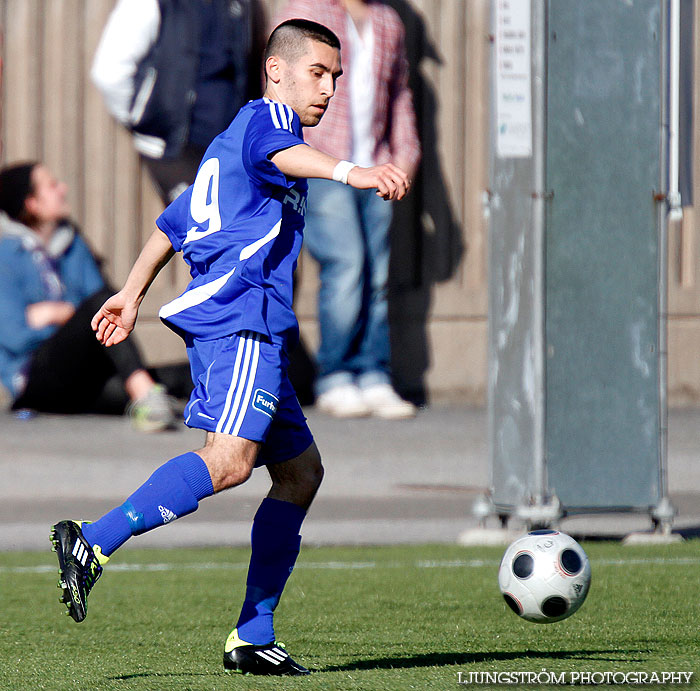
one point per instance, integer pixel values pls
(296, 200)
(265, 402)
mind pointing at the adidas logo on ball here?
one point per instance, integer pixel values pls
(544, 576)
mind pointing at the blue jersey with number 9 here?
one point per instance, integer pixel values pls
(240, 227)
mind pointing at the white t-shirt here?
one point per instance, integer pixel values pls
(362, 92)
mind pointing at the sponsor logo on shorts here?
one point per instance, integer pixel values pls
(265, 402)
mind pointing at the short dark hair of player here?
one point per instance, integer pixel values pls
(287, 40)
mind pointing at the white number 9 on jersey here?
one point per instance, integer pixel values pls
(204, 207)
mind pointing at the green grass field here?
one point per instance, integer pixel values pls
(362, 618)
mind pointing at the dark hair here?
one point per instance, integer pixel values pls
(287, 40)
(15, 186)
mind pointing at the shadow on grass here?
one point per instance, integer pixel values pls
(164, 675)
(443, 659)
(431, 660)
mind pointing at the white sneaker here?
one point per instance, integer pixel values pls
(343, 401)
(385, 403)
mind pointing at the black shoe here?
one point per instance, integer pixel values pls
(270, 659)
(78, 567)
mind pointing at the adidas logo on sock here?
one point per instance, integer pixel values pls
(167, 514)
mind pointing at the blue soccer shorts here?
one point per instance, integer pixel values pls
(241, 388)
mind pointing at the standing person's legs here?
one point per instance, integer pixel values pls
(333, 237)
(371, 360)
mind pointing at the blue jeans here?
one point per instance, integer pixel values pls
(347, 233)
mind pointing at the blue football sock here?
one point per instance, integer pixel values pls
(275, 543)
(172, 491)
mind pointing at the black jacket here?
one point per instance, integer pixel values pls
(198, 63)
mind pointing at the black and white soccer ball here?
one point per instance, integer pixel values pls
(544, 576)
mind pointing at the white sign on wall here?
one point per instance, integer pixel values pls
(513, 79)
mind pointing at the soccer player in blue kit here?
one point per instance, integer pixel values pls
(239, 227)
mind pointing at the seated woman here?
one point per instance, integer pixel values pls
(50, 287)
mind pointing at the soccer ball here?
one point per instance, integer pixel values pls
(544, 576)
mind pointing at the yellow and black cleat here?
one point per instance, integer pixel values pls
(271, 659)
(78, 566)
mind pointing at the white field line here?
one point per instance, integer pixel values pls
(344, 565)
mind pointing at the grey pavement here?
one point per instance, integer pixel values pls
(386, 482)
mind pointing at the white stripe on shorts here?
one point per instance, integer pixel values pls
(244, 372)
(240, 384)
(249, 388)
(232, 386)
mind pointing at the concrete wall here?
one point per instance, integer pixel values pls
(50, 111)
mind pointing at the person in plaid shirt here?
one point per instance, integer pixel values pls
(370, 121)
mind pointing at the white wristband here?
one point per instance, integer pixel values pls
(340, 172)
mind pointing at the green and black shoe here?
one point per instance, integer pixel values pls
(79, 566)
(271, 659)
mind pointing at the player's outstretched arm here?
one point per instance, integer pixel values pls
(115, 320)
(304, 161)
(389, 180)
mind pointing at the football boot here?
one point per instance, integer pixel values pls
(79, 566)
(271, 659)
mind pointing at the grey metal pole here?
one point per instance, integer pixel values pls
(539, 148)
(663, 513)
